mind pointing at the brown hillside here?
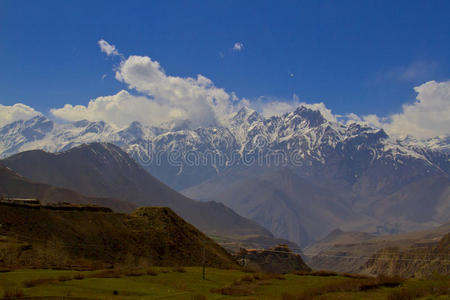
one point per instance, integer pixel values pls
(415, 261)
(350, 251)
(55, 238)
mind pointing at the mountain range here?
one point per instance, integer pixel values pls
(300, 175)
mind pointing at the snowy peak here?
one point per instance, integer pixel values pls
(304, 134)
(31, 128)
(246, 115)
(313, 117)
(305, 116)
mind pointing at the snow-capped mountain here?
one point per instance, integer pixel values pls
(383, 183)
(303, 139)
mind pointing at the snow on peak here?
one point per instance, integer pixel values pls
(304, 131)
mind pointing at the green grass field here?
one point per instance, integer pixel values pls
(187, 283)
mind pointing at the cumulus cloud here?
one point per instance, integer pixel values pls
(274, 107)
(238, 46)
(427, 117)
(119, 110)
(108, 48)
(163, 99)
(198, 100)
(18, 111)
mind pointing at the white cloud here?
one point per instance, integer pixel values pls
(427, 117)
(119, 110)
(18, 111)
(238, 46)
(165, 99)
(274, 107)
(198, 100)
(108, 48)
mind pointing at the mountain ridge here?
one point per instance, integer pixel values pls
(15, 185)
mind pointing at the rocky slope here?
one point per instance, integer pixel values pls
(360, 252)
(278, 259)
(415, 261)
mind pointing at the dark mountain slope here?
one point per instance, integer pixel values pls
(104, 170)
(14, 185)
(149, 236)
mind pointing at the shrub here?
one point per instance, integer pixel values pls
(350, 285)
(381, 281)
(65, 278)
(178, 269)
(113, 273)
(436, 285)
(198, 297)
(268, 276)
(152, 272)
(316, 273)
(40, 281)
(233, 290)
(4, 270)
(247, 278)
(13, 293)
(78, 277)
(135, 273)
(406, 294)
(355, 276)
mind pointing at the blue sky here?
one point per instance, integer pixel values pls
(363, 57)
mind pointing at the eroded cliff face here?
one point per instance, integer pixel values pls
(279, 259)
(419, 260)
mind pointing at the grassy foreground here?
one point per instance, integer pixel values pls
(187, 283)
